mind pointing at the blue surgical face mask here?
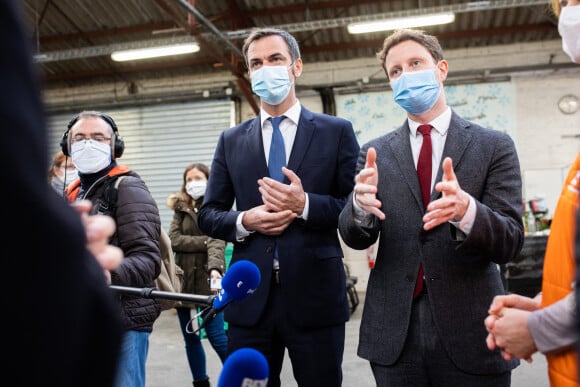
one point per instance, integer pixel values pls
(416, 91)
(271, 83)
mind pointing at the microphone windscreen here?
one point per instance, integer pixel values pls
(241, 280)
(222, 299)
(245, 367)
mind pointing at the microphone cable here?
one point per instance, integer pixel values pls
(64, 179)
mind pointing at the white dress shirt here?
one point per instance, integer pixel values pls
(288, 128)
(438, 137)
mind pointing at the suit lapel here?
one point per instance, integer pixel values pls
(255, 146)
(456, 143)
(401, 149)
(304, 133)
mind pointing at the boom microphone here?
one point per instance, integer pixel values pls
(245, 367)
(240, 281)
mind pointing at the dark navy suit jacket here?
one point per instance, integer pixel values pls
(311, 268)
(461, 272)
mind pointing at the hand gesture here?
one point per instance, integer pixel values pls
(365, 189)
(453, 203)
(279, 196)
(261, 219)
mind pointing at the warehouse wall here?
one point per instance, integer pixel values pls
(537, 75)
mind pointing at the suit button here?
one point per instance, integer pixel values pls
(269, 249)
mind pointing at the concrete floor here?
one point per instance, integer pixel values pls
(167, 363)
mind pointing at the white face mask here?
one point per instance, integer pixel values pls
(68, 177)
(196, 188)
(90, 156)
(569, 29)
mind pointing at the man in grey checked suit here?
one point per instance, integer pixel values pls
(472, 222)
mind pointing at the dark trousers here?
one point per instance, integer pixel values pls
(424, 361)
(316, 353)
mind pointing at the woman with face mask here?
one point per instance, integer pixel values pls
(62, 172)
(202, 260)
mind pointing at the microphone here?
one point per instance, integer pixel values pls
(245, 367)
(239, 282)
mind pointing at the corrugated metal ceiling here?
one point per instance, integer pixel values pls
(75, 36)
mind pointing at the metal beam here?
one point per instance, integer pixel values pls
(85, 52)
(342, 22)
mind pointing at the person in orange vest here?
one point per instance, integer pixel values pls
(521, 326)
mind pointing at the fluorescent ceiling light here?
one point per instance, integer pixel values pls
(403, 22)
(154, 52)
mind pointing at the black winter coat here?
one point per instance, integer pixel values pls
(138, 230)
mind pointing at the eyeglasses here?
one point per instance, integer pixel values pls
(94, 136)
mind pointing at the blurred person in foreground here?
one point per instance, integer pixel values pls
(445, 218)
(520, 326)
(285, 218)
(202, 260)
(62, 172)
(60, 323)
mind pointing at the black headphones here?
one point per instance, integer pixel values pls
(117, 145)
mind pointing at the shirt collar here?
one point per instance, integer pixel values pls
(293, 114)
(440, 124)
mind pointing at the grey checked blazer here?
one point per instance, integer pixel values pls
(461, 271)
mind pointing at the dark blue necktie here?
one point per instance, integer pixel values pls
(277, 157)
(276, 160)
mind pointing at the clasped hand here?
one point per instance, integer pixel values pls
(282, 204)
(507, 326)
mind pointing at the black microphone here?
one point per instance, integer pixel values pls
(245, 367)
(240, 281)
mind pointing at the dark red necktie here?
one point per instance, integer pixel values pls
(424, 172)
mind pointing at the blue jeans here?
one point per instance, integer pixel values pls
(194, 349)
(131, 371)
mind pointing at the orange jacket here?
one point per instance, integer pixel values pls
(73, 189)
(559, 272)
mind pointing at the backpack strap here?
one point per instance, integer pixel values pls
(108, 206)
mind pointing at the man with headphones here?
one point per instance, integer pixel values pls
(92, 141)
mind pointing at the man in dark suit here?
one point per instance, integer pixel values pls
(289, 228)
(436, 268)
(60, 323)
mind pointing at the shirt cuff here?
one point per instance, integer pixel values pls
(466, 223)
(360, 216)
(304, 214)
(241, 232)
